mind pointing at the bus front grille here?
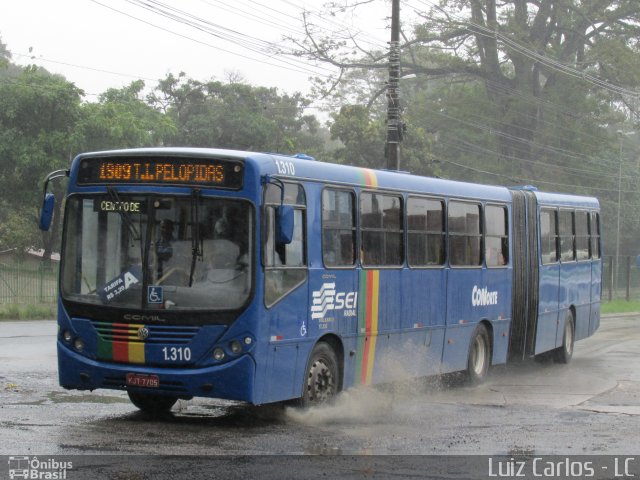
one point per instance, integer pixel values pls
(162, 334)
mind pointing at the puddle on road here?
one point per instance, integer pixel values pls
(62, 397)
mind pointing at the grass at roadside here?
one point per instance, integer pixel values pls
(621, 306)
(27, 312)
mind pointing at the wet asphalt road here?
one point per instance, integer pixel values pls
(591, 406)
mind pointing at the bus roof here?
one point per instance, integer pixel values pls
(307, 169)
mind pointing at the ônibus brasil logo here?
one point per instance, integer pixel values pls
(34, 468)
(327, 299)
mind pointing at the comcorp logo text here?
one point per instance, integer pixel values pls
(481, 297)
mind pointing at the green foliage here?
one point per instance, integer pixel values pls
(361, 137)
(27, 312)
(621, 306)
(38, 113)
(122, 119)
(511, 93)
(44, 124)
(235, 115)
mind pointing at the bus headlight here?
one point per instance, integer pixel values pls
(236, 347)
(218, 354)
(67, 336)
(78, 344)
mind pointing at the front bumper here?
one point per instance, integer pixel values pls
(233, 380)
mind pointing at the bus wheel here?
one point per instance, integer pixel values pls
(152, 404)
(321, 381)
(479, 355)
(565, 352)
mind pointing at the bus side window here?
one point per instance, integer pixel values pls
(497, 239)
(567, 236)
(425, 230)
(381, 230)
(582, 235)
(285, 264)
(549, 236)
(338, 228)
(465, 234)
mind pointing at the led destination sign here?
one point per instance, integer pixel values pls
(161, 171)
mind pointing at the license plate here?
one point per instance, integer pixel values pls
(142, 380)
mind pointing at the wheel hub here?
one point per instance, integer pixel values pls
(321, 383)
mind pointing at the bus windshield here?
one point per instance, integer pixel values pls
(157, 252)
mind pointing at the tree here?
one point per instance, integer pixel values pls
(236, 115)
(38, 113)
(122, 119)
(512, 92)
(518, 49)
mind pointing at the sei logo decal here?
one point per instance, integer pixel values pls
(327, 299)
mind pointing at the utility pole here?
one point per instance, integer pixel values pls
(394, 123)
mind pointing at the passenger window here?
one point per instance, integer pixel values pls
(285, 264)
(496, 248)
(567, 236)
(548, 236)
(425, 230)
(381, 229)
(465, 235)
(582, 235)
(338, 228)
(594, 231)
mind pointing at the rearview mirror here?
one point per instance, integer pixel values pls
(284, 224)
(46, 214)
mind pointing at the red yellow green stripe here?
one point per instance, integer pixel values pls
(367, 326)
(369, 178)
(121, 344)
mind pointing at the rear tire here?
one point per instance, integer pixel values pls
(322, 380)
(479, 355)
(152, 404)
(565, 352)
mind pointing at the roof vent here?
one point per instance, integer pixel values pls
(303, 156)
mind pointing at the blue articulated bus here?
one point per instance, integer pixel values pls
(265, 278)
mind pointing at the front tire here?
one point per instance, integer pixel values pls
(152, 404)
(322, 379)
(479, 355)
(565, 352)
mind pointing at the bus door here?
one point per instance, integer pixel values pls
(549, 283)
(286, 293)
(424, 285)
(466, 276)
(334, 289)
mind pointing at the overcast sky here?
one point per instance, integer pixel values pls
(98, 44)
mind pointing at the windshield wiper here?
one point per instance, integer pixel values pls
(196, 241)
(125, 215)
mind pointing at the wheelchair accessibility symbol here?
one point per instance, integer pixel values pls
(154, 294)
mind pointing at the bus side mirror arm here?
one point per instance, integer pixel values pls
(49, 200)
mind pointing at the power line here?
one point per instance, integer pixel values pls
(289, 68)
